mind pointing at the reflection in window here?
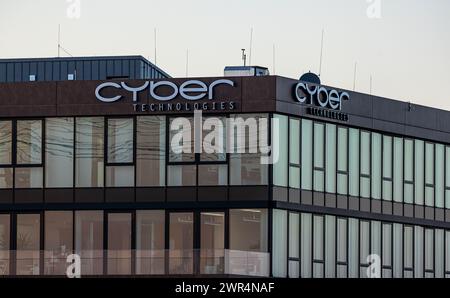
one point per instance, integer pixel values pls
(280, 136)
(119, 243)
(120, 140)
(5, 142)
(4, 243)
(182, 175)
(120, 176)
(181, 140)
(59, 152)
(28, 244)
(181, 243)
(150, 233)
(89, 241)
(89, 152)
(150, 151)
(212, 174)
(6, 178)
(279, 251)
(28, 177)
(212, 237)
(248, 229)
(214, 139)
(58, 241)
(29, 142)
(246, 168)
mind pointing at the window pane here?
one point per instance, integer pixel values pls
(294, 177)
(281, 136)
(246, 168)
(429, 174)
(248, 229)
(294, 234)
(279, 255)
(184, 175)
(408, 247)
(398, 250)
(214, 139)
(120, 140)
(365, 153)
(429, 249)
(306, 245)
(150, 151)
(58, 241)
(59, 152)
(89, 152)
(28, 177)
(318, 235)
(150, 241)
(376, 166)
(342, 149)
(387, 245)
(387, 157)
(212, 175)
(181, 243)
(342, 240)
(398, 169)
(120, 176)
(181, 139)
(364, 241)
(5, 142)
(119, 243)
(447, 177)
(331, 158)
(89, 241)
(375, 238)
(318, 145)
(6, 178)
(212, 238)
(29, 142)
(4, 243)
(439, 175)
(353, 251)
(330, 246)
(440, 253)
(294, 141)
(418, 252)
(419, 172)
(28, 244)
(409, 160)
(354, 162)
(306, 154)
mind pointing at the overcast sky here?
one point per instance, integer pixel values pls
(403, 44)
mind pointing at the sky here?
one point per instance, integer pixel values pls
(404, 45)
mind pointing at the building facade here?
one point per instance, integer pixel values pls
(89, 167)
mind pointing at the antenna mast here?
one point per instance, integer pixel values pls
(59, 38)
(354, 76)
(321, 53)
(244, 56)
(251, 42)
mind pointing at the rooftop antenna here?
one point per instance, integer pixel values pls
(187, 62)
(251, 41)
(321, 54)
(59, 38)
(244, 56)
(273, 58)
(354, 76)
(154, 35)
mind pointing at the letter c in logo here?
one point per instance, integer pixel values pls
(107, 99)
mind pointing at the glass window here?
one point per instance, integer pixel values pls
(342, 177)
(59, 152)
(294, 234)
(409, 171)
(5, 142)
(330, 246)
(150, 241)
(89, 152)
(119, 243)
(212, 174)
(364, 242)
(440, 175)
(354, 162)
(120, 140)
(440, 253)
(181, 140)
(398, 169)
(120, 176)
(29, 142)
(294, 177)
(248, 229)
(151, 151)
(342, 240)
(318, 153)
(294, 141)
(28, 244)
(4, 243)
(89, 241)
(331, 158)
(6, 178)
(306, 245)
(58, 241)
(246, 168)
(418, 251)
(408, 248)
(365, 153)
(387, 168)
(307, 154)
(387, 245)
(397, 250)
(318, 235)
(214, 139)
(353, 248)
(280, 169)
(419, 172)
(181, 243)
(279, 255)
(376, 166)
(212, 242)
(28, 177)
(429, 249)
(447, 259)
(447, 177)
(375, 237)
(182, 175)
(429, 174)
